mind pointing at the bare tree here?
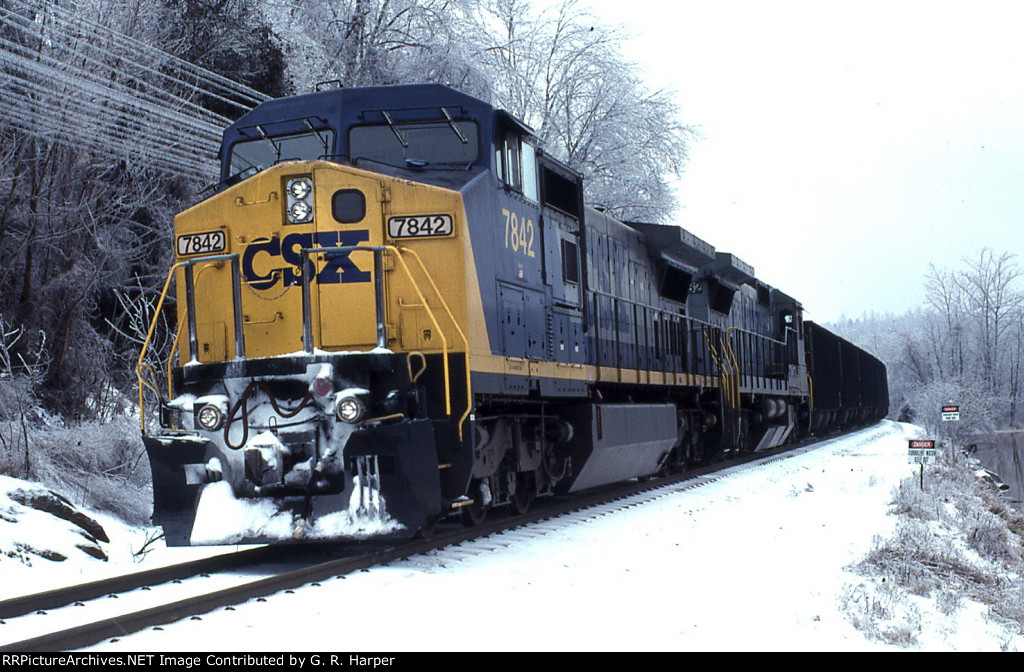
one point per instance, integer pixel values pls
(372, 42)
(945, 296)
(562, 73)
(1016, 366)
(966, 345)
(991, 297)
(20, 378)
(99, 137)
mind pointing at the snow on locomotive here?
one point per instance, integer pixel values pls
(397, 309)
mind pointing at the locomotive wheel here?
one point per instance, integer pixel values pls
(427, 531)
(473, 514)
(521, 500)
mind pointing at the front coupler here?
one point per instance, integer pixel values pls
(392, 489)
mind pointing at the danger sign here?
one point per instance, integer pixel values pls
(920, 451)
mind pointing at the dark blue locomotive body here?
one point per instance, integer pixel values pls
(529, 344)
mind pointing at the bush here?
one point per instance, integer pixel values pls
(882, 612)
(100, 465)
(954, 539)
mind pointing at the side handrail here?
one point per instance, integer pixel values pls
(737, 369)
(142, 368)
(433, 320)
(713, 351)
(458, 329)
(728, 371)
(810, 401)
(170, 362)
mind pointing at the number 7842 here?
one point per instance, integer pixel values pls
(519, 233)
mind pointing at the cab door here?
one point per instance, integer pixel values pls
(348, 214)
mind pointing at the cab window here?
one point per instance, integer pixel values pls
(264, 152)
(516, 164)
(512, 175)
(529, 155)
(431, 143)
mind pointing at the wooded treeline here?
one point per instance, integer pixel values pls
(110, 114)
(964, 347)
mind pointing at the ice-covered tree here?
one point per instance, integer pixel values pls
(104, 134)
(559, 70)
(965, 346)
(372, 42)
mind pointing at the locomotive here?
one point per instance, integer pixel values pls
(396, 308)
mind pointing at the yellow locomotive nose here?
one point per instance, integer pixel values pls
(343, 221)
(314, 297)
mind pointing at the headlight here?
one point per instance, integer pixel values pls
(299, 189)
(350, 409)
(300, 200)
(300, 212)
(210, 417)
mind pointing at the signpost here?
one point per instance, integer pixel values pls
(951, 414)
(920, 451)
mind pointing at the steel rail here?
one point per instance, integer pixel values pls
(59, 597)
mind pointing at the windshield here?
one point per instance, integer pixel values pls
(433, 142)
(266, 151)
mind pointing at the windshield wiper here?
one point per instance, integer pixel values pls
(451, 124)
(394, 129)
(415, 164)
(356, 159)
(321, 138)
(233, 179)
(277, 148)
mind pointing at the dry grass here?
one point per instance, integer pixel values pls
(99, 465)
(954, 540)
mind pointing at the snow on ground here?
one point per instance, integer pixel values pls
(29, 536)
(754, 560)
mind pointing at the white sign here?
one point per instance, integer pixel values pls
(951, 414)
(420, 226)
(920, 451)
(210, 242)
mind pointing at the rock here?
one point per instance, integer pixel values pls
(41, 552)
(94, 551)
(88, 537)
(52, 503)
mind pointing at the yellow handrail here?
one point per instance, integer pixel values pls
(465, 341)
(722, 364)
(727, 370)
(433, 321)
(170, 360)
(145, 346)
(713, 352)
(143, 368)
(736, 367)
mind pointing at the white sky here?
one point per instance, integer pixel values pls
(844, 145)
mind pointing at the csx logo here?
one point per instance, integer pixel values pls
(338, 267)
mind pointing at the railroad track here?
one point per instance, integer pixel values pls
(42, 622)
